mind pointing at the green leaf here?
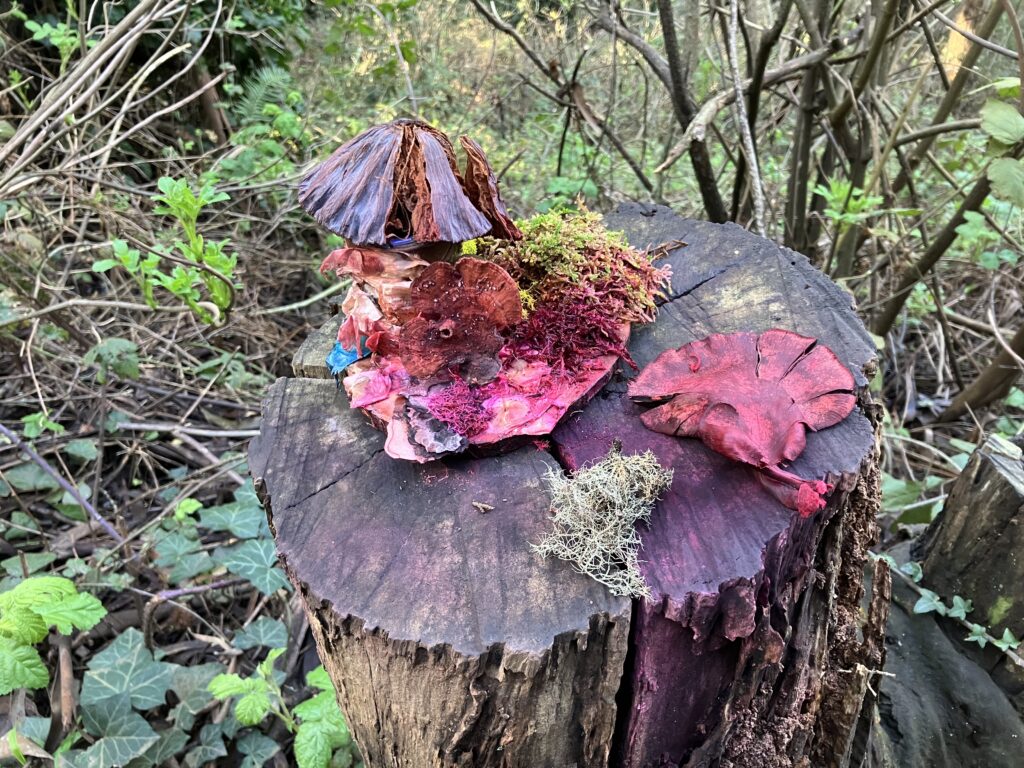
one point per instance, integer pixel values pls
(191, 686)
(1008, 642)
(318, 678)
(83, 449)
(80, 611)
(241, 519)
(35, 561)
(104, 265)
(114, 354)
(180, 552)
(960, 608)
(1002, 122)
(312, 746)
(226, 685)
(1015, 399)
(266, 667)
(929, 602)
(265, 631)
(978, 635)
(170, 742)
(897, 493)
(257, 749)
(254, 560)
(127, 666)
(125, 735)
(251, 708)
(29, 477)
(20, 667)
(913, 570)
(1007, 177)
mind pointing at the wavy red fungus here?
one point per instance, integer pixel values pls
(751, 397)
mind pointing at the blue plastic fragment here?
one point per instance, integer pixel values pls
(340, 358)
(399, 242)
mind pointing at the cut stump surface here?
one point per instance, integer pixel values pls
(453, 644)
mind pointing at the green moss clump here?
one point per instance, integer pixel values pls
(561, 253)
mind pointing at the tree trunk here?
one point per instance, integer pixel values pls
(452, 643)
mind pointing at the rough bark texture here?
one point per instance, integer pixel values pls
(451, 643)
(975, 549)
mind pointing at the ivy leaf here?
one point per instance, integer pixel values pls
(960, 608)
(20, 667)
(1007, 177)
(978, 635)
(241, 519)
(1008, 642)
(929, 602)
(124, 734)
(190, 685)
(182, 554)
(1002, 122)
(913, 570)
(170, 742)
(82, 449)
(265, 631)
(34, 560)
(257, 749)
(254, 560)
(29, 477)
(127, 666)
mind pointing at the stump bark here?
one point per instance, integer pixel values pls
(453, 644)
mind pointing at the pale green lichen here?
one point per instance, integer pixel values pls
(596, 510)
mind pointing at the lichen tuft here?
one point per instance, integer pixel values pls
(595, 514)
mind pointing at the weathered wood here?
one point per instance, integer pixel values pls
(310, 359)
(452, 643)
(975, 549)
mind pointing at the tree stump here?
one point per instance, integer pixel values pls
(452, 643)
(975, 549)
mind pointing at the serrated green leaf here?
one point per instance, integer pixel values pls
(266, 667)
(318, 678)
(319, 707)
(227, 684)
(254, 560)
(265, 631)
(20, 667)
(1007, 177)
(312, 746)
(127, 666)
(125, 735)
(80, 611)
(1002, 121)
(251, 708)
